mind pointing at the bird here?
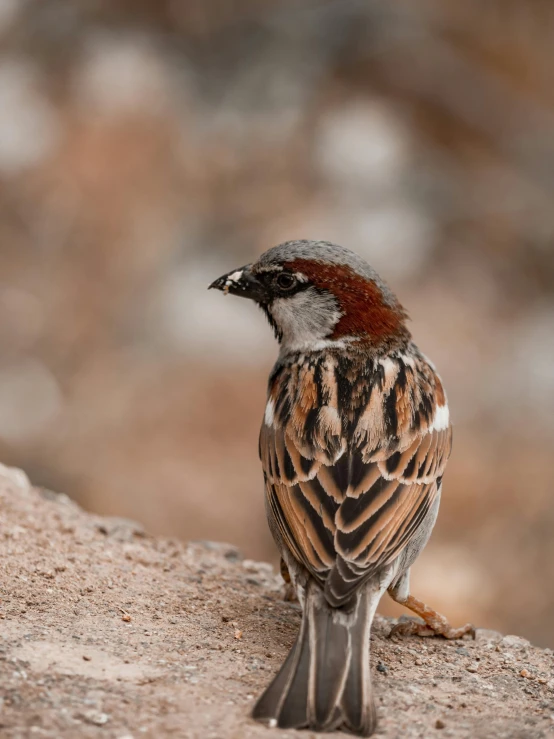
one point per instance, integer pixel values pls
(354, 443)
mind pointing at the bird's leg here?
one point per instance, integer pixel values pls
(435, 623)
(290, 593)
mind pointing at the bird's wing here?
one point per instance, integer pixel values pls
(350, 480)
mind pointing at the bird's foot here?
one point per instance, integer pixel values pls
(434, 623)
(289, 596)
(416, 628)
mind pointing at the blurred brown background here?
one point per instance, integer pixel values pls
(148, 146)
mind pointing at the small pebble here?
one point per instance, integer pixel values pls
(382, 668)
(439, 724)
(516, 642)
(95, 717)
(525, 673)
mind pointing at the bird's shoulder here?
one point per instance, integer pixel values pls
(330, 402)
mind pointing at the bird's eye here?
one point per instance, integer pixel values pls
(285, 281)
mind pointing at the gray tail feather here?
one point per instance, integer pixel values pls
(324, 684)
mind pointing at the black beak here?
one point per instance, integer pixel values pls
(243, 283)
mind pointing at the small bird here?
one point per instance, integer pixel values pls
(354, 443)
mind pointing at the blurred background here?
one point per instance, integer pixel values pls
(148, 146)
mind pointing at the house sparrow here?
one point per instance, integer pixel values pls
(354, 443)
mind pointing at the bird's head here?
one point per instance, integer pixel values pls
(318, 295)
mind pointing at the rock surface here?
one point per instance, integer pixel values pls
(108, 632)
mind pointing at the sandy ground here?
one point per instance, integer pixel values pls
(108, 632)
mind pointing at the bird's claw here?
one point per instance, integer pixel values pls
(418, 628)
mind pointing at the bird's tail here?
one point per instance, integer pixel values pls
(324, 684)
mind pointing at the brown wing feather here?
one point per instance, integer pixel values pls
(346, 507)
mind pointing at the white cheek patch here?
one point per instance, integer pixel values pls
(441, 420)
(269, 413)
(306, 319)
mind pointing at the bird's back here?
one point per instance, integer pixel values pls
(353, 447)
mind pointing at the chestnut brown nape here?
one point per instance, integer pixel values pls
(367, 310)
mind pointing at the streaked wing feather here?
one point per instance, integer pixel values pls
(345, 514)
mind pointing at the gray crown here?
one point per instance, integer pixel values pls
(325, 252)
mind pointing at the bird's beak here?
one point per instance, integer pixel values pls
(241, 282)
